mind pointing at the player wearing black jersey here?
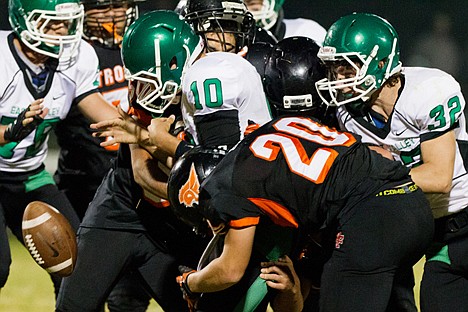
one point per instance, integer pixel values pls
(295, 173)
(83, 163)
(126, 224)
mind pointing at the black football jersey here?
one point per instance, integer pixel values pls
(80, 152)
(297, 172)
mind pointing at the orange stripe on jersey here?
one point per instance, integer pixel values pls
(244, 222)
(279, 214)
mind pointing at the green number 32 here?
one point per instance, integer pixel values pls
(439, 114)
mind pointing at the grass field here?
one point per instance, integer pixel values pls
(29, 288)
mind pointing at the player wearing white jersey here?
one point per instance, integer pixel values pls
(222, 92)
(46, 68)
(269, 15)
(416, 115)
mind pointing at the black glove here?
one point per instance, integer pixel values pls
(188, 295)
(16, 132)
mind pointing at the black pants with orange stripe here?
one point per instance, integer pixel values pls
(377, 243)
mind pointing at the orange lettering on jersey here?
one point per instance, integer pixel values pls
(188, 194)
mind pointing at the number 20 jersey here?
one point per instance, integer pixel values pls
(430, 103)
(66, 84)
(297, 172)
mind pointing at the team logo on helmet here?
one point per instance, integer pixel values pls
(188, 194)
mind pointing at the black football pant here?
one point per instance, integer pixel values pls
(17, 191)
(377, 243)
(444, 287)
(104, 256)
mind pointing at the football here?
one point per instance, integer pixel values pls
(49, 238)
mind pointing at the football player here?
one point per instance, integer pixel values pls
(46, 69)
(416, 114)
(82, 161)
(295, 174)
(269, 15)
(128, 224)
(221, 91)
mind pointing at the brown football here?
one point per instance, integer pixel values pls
(49, 238)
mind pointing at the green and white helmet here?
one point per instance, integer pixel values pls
(267, 16)
(30, 19)
(156, 50)
(367, 43)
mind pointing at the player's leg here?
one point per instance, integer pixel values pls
(5, 253)
(103, 255)
(376, 240)
(128, 294)
(444, 286)
(159, 270)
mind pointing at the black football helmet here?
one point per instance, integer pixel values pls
(290, 74)
(183, 185)
(258, 55)
(108, 29)
(221, 17)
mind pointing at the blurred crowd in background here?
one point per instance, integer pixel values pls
(432, 33)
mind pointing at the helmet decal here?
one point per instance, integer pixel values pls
(188, 194)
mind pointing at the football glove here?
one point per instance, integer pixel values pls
(16, 132)
(188, 295)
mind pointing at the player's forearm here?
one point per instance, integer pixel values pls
(431, 180)
(146, 172)
(288, 301)
(212, 278)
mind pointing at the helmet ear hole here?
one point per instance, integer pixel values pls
(173, 63)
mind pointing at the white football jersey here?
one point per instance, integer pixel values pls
(305, 28)
(429, 103)
(223, 82)
(67, 84)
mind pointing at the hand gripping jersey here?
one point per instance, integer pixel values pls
(64, 86)
(430, 103)
(221, 93)
(296, 172)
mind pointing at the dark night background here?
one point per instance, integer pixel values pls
(411, 18)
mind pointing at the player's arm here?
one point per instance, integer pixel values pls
(96, 108)
(280, 275)
(160, 137)
(435, 174)
(229, 268)
(147, 173)
(123, 129)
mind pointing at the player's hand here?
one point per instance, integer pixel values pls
(26, 122)
(280, 274)
(159, 129)
(120, 130)
(188, 296)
